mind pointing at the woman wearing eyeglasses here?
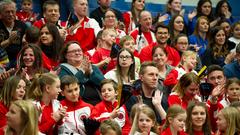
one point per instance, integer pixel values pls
(125, 70)
(110, 22)
(74, 62)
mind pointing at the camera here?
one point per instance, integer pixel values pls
(205, 90)
(114, 51)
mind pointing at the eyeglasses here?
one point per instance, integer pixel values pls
(125, 57)
(75, 51)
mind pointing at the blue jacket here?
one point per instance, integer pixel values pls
(232, 70)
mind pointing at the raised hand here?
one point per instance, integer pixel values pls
(59, 114)
(114, 113)
(192, 14)
(6, 74)
(156, 100)
(163, 18)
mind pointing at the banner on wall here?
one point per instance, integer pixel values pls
(184, 2)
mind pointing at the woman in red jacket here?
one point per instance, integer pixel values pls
(186, 90)
(45, 90)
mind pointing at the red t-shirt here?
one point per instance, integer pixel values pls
(100, 55)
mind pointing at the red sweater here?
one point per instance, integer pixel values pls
(26, 17)
(85, 34)
(48, 63)
(3, 112)
(173, 55)
(43, 21)
(200, 133)
(99, 56)
(46, 123)
(104, 109)
(167, 131)
(175, 99)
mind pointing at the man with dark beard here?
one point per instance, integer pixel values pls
(99, 12)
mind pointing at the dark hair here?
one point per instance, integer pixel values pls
(218, 12)
(57, 42)
(224, 20)
(175, 41)
(66, 80)
(161, 25)
(167, 8)
(212, 43)
(206, 128)
(65, 49)
(231, 81)
(106, 81)
(131, 71)
(30, 1)
(32, 34)
(238, 48)
(146, 64)
(134, 17)
(213, 68)
(110, 10)
(199, 9)
(160, 47)
(235, 25)
(37, 64)
(48, 2)
(171, 27)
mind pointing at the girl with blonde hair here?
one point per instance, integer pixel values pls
(45, 90)
(144, 122)
(175, 121)
(22, 119)
(228, 121)
(187, 64)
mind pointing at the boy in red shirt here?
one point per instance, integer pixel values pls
(26, 14)
(76, 108)
(108, 108)
(101, 58)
